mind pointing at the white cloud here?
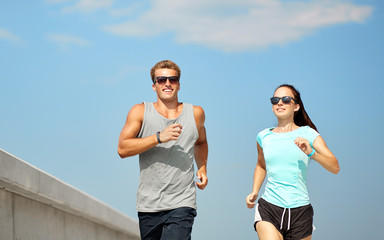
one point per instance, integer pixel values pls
(242, 24)
(87, 6)
(7, 35)
(65, 40)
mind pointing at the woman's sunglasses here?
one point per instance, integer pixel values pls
(285, 100)
(161, 80)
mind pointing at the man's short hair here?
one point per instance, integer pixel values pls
(164, 64)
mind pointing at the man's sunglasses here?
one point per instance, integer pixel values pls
(161, 80)
(285, 100)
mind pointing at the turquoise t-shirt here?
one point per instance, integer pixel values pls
(286, 166)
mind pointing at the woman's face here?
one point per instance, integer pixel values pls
(285, 110)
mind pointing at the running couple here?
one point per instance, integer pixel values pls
(169, 134)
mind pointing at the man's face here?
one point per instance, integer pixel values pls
(166, 90)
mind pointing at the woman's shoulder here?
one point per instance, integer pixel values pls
(308, 129)
(309, 133)
(264, 132)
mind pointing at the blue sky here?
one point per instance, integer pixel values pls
(72, 69)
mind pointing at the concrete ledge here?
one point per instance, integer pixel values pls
(20, 178)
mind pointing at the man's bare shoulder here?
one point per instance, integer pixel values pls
(198, 109)
(137, 111)
(138, 107)
(199, 113)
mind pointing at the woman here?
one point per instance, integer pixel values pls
(284, 210)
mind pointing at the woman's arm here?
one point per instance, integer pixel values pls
(322, 154)
(258, 178)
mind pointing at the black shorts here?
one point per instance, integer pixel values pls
(173, 224)
(292, 223)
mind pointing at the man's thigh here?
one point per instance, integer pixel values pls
(179, 224)
(151, 225)
(167, 225)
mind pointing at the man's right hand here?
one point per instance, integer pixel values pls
(172, 132)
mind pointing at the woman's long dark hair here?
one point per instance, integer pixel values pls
(301, 117)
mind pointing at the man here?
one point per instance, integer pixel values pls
(167, 135)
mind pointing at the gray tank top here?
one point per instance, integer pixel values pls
(167, 170)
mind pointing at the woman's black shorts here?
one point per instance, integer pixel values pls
(292, 223)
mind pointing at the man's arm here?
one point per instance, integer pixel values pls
(130, 145)
(201, 148)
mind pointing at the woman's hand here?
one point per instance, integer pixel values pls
(250, 199)
(304, 145)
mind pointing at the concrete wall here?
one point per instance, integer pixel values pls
(37, 206)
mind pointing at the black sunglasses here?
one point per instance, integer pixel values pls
(285, 100)
(161, 80)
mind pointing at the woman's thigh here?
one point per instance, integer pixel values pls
(307, 238)
(267, 231)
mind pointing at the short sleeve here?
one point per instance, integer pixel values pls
(259, 140)
(261, 135)
(311, 134)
